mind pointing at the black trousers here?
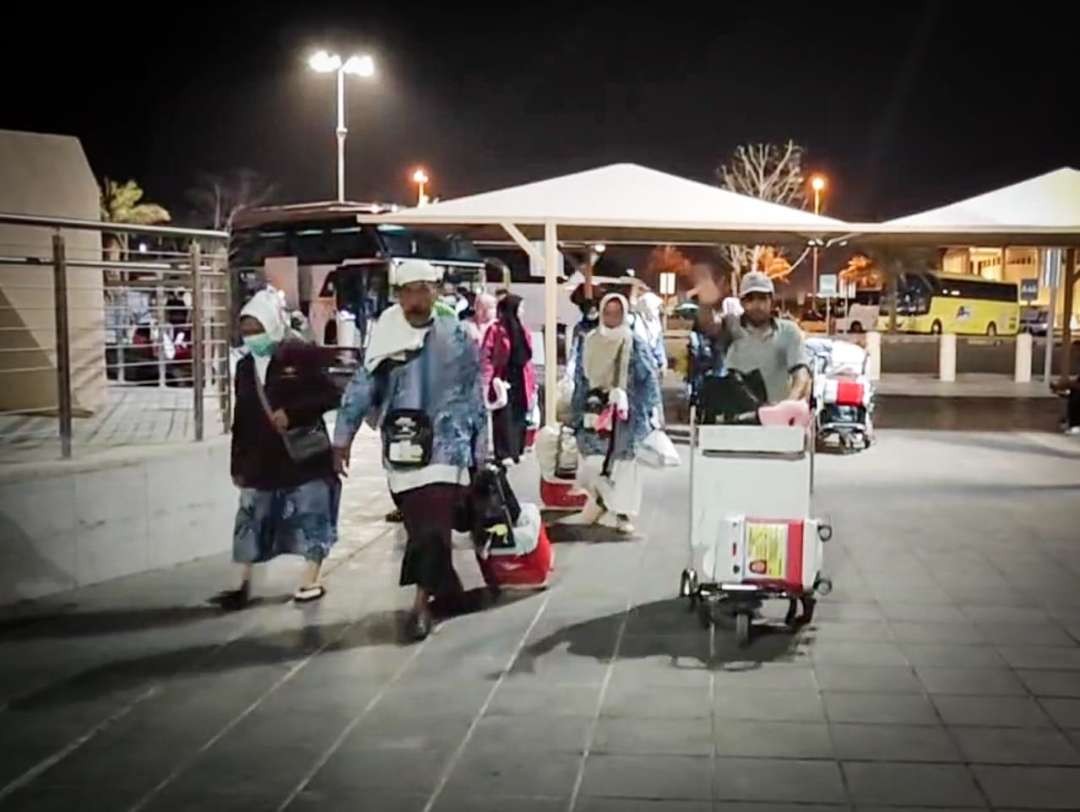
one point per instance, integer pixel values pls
(429, 514)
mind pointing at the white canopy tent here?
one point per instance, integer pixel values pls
(621, 203)
(1040, 211)
(1043, 211)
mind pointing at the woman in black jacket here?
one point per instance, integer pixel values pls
(289, 494)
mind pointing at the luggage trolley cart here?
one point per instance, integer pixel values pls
(752, 537)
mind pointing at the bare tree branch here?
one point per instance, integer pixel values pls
(767, 172)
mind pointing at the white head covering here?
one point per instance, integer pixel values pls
(649, 305)
(483, 306)
(415, 270)
(648, 324)
(267, 309)
(602, 349)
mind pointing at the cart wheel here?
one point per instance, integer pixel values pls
(825, 532)
(792, 612)
(742, 629)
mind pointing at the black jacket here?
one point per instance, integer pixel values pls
(296, 382)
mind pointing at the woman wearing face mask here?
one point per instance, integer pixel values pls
(289, 492)
(616, 398)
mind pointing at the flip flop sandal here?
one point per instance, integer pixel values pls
(307, 594)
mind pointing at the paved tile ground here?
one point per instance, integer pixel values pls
(943, 673)
(131, 416)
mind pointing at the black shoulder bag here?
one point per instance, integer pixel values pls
(302, 443)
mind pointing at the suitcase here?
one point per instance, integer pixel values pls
(558, 469)
(521, 559)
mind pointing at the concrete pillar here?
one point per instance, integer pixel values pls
(1022, 373)
(947, 357)
(1071, 276)
(873, 352)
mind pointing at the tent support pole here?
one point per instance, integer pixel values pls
(551, 306)
(515, 234)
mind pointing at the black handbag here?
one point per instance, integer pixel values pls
(732, 398)
(408, 435)
(494, 509)
(302, 443)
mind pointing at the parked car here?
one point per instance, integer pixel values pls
(1035, 320)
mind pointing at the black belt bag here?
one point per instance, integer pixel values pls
(408, 437)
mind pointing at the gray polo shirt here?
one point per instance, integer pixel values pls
(776, 350)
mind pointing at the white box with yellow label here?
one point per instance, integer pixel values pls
(751, 520)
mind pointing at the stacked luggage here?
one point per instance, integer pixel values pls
(511, 543)
(556, 452)
(843, 393)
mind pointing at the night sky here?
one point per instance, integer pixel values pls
(903, 108)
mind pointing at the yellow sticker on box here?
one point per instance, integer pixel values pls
(766, 549)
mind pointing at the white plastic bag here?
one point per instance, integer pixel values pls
(556, 450)
(657, 451)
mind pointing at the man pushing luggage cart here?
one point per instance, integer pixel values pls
(752, 536)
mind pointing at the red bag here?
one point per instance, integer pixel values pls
(561, 494)
(530, 571)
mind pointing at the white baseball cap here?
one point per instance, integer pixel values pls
(415, 270)
(756, 282)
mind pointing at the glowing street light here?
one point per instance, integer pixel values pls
(361, 65)
(817, 183)
(420, 178)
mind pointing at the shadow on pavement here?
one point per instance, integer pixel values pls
(67, 621)
(665, 629)
(278, 648)
(376, 629)
(1010, 445)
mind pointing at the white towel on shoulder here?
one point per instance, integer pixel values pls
(393, 337)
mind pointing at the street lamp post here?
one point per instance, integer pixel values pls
(363, 66)
(420, 178)
(817, 183)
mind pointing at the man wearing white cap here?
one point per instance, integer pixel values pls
(757, 340)
(421, 380)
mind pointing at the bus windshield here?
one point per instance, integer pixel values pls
(398, 241)
(331, 243)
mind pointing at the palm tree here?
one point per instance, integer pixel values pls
(121, 203)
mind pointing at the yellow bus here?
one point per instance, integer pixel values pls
(950, 303)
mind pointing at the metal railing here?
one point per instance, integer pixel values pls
(102, 345)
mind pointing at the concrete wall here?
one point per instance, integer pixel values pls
(48, 175)
(69, 524)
